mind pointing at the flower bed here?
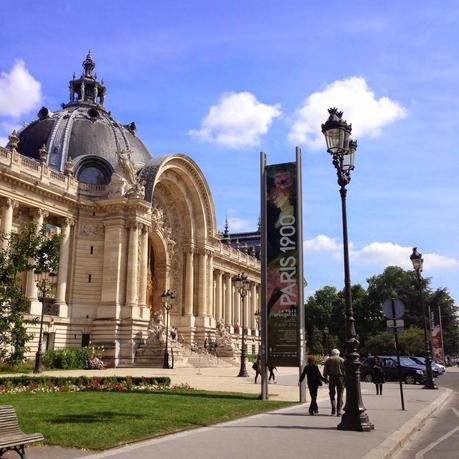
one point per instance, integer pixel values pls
(83, 383)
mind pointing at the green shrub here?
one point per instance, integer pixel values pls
(67, 357)
(82, 381)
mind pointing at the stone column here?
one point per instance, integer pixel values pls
(229, 300)
(7, 219)
(189, 283)
(202, 288)
(143, 266)
(237, 306)
(64, 252)
(218, 295)
(253, 306)
(132, 264)
(31, 287)
(210, 285)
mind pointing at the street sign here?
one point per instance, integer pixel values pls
(393, 330)
(399, 308)
(399, 323)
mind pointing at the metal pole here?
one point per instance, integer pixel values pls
(39, 355)
(397, 349)
(300, 286)
(263, 317)
(429, 384)
(243, 370)
(166, 352)
(354, 416)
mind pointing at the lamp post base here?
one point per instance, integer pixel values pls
(243, 370)
(430, 385)
(38, 362)
(358, 422)
(166, 360)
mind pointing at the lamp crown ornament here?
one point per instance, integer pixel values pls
(335, 112)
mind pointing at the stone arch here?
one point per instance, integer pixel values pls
(185, 181)
(157, 268)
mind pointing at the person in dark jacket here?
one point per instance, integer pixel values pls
(378, 375)
(314, 378)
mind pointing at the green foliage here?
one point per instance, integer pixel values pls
(81, 381)
(411, 342)
(327, 308)
(29, 249)
(67, 358)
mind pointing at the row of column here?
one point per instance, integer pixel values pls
(222, 300)
(39, 216)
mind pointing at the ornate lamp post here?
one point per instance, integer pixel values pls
(327, 333)
(242, 284)
(342, 149)
(168, 300)
(44, 286)
(418, 262)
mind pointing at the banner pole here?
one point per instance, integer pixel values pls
(264, 317)
(301, 312)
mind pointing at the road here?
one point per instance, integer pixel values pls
(439, 438)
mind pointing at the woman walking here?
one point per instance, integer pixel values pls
(314, 378)
(257, 367)
(378, 375)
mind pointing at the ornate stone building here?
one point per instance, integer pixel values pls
(132, 226)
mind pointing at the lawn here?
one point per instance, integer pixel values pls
(99, 420)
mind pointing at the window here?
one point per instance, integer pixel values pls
(94, 170)
(85, 340)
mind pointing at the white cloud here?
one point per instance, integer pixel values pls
(321, 242)
(388, 253)
(3, 141)
(378, 253)
(238, 224)
(237, 121)
(20, 92)
(360, 106)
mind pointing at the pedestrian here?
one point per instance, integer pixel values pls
(378, 374)
(271, 369)
(257, 367)
(334, 374)
(314, 379)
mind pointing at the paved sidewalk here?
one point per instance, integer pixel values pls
(272, 435)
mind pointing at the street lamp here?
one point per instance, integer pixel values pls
(342, 149)
(44, 285)
(327, 332)
(242, 284)
(168, 299)
(417, 260)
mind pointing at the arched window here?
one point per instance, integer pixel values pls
(95, 171)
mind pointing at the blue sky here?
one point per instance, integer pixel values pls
(221, 81)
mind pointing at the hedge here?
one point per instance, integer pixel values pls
(83, 381)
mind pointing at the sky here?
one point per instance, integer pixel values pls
(222, 81)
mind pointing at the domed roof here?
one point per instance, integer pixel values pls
(82, 128)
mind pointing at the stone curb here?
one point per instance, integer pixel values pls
(395, 441)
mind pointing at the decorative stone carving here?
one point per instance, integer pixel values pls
(91, 231)
(68, 167)
(43, 153)
(14, 141)
(156, 329)
(125, 181)
(224, 340)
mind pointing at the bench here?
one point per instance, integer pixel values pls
(12, 438)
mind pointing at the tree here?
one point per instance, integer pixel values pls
(30, 249)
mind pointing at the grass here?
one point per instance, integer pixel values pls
(99, 420)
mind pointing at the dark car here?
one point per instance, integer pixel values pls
(411, 372)
(437, 369)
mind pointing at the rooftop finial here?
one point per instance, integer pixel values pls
(226, 229)
(88, 65)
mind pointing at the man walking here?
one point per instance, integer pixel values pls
(334, 374)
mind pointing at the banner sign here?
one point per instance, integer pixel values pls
(437, 336)
(282, 264)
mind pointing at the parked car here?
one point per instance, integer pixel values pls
(411, 372)
(437, 369)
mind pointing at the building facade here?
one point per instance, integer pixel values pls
(132, 226)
